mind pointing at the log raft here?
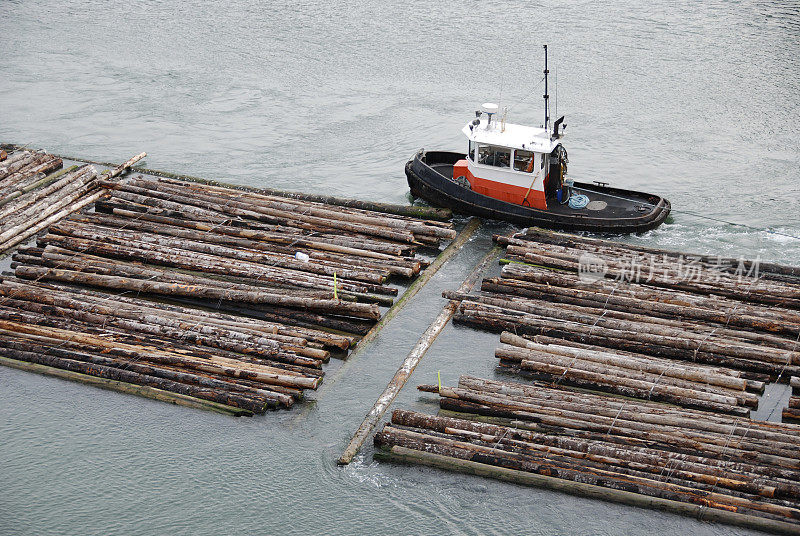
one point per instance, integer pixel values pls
(648, 304)
(637, 452)
(188, 291)
(643, 366)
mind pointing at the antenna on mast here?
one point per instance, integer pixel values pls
(546, 96)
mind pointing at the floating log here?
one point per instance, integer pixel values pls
(276, 206)
(664, 367)
(123, 387)
(536, 234)
(720, 461)
(676, 339)
(197, 250)
(250, 403)
(358, 310)
(48, 181)
(88, 300)
(791, 415)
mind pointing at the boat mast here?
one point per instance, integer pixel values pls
(546, 96)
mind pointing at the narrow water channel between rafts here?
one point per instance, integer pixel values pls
(696, 102)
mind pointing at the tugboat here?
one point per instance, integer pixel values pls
(517, 173)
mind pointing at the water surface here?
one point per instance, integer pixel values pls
(694, 101)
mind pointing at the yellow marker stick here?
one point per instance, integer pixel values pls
(439, 374)
(335, 295)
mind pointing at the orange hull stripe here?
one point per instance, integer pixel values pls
(499, 190)
(508, 192)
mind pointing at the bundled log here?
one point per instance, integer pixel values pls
(663, 272)
(673, 306)
(200, 256)
(86, 299)
(585, 243)
(237, 298)
(651, 380)
(639, 447)
(338, 307)
(598, 316)
(426, 213)
(212, 205)
(660, 342)
(226, 246)
(39, 164)
(665, 367)
(30, 201)
(275, 205)
(792, 413)
(708, 319)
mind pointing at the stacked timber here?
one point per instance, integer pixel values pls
(33, 195)
(745, 280)
(304, 263)
(624, 450)
(237, 362)
(232, 297)
(684, 384)
(750, 325)
(792, 413)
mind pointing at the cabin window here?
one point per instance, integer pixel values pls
(523, 160)
(471, 153)
(494, 156)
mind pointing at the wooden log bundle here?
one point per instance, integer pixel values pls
(714, 319)
(233, 298)
(691, 386)
(31, 197)
(597, 245)
(744, 280)
(626, 447)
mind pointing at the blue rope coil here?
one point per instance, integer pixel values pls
(577, 201)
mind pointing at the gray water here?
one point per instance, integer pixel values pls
(694, 101)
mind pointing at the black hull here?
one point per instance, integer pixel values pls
(628, 211)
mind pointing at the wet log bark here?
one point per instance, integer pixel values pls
(277, 205)
(252, 403)
(338, 307)
(664, 367)
(409, 211)
(564, 469)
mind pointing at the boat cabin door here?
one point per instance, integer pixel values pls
(556, 171)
